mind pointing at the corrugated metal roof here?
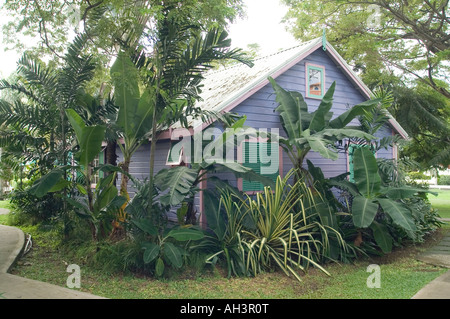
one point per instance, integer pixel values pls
(222, 86)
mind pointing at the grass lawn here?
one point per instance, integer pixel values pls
(401, 277)
(441, 202)
(5, 204)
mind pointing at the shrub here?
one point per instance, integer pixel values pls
(418, 175)
(289, 232)
(28, 208)
(278, 228)
(444, 180)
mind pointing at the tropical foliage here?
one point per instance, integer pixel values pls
(315, 131)
(56, 127)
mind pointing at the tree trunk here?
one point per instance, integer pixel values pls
(118, 231)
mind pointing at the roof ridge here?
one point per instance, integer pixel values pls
(258, 58)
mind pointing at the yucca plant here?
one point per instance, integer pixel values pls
(288, 231)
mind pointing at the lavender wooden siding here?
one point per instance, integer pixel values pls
(260, 107)
(260, 111)
(140, 167)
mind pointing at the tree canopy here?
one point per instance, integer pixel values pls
(408, 38)
(108, 22)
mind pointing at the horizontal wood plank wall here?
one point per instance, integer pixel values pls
(260, 111)
(140, 162)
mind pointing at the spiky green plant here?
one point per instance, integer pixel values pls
(288, 231)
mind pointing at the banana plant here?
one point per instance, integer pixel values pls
(315, 131)
(370, 197)
(105, 197)
(165, 247)
(134, 118)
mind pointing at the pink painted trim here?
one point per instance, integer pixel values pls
(330, 50)
(202, 220)
(306, 81)
(240, 160)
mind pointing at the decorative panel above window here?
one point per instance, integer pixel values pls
(315, 81)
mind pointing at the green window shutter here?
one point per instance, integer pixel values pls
(101, 161)
(251, 157)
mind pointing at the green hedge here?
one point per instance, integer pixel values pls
(418, 175)
(444, 180)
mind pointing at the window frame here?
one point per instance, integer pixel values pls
(240, 159)
(321, 68)
(350, 158)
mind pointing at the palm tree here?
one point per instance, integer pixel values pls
(179, 54)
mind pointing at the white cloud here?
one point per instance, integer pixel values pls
(262, 26)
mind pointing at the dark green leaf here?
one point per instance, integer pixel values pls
(43, 185)
(399, 213)
(173, 255)
(146, 225)
(366, 174)
(363, 211)
(382, 237)
(185, 234)
(151, 251)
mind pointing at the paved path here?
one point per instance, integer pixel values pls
(438, 255)
(12, 241)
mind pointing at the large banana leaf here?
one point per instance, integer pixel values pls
(322, 146)
(366, 174)
(357, 110)
(399, 213)
(43, 185)
(290, 108)
(91, 144)
(382, 237)
(185, 234)
(179, 182)
(89, 138)
(126, 92)
(363, 211)
(173, 255)
(320, 116)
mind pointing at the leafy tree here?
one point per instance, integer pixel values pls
(425, 115)
(410, 37)
(35, 124)
(179, 54)
(107, 22)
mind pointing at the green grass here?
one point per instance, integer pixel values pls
(5, 204)
(401, 277)
(4, 218)
(401, 274)
(441, 202)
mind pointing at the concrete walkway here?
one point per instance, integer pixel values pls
(438, 255)
(12, 242)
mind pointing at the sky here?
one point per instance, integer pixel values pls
(261, 26)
